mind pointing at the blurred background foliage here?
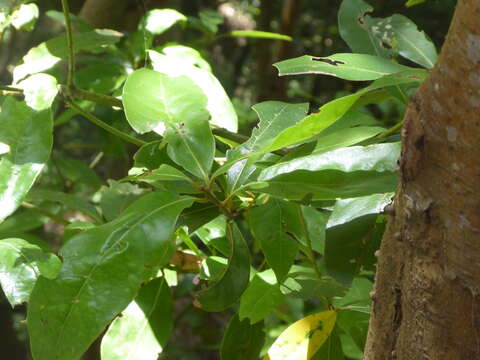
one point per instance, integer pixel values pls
(243, 66)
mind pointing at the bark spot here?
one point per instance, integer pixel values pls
(451, 133)
(473, 47)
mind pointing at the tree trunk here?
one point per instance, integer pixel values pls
(426, 303)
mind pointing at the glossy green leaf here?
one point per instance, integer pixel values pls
(304, 283)
(192, 146)
(400, 34)
(40, 90)
(332, 348)
(151, 155)
(304, 338)
(28, 135)
(198, 215)
(219, 106)
(278, 245)
(342, 173)
(346, 137)
(144, 326)
(152, 100)
(21, 263)
(258, 34)
(158, 21)
(356, 67)
(353, 24)
(262, 296)
(336, 109)
(230, 286)
(49, 53)
(102, 272)
(23, 220)
(242, 340)
(346, 210)
(25, 17)
(275, 116)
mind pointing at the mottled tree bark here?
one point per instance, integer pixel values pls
(426, 303)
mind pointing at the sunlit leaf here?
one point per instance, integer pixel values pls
(40, 90)
(21, 263)
(152, 100)
(144, 326)
(357, 67)
(25, 17)
(342, 173)
(49, 53)
(28, 134)
(258, 34)
(157, 21)
(302, 339)
(336, 109)
(219, 106)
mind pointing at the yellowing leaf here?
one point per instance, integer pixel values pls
(301, 340)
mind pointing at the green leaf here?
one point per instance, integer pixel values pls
(261, 297)
(158, 21)
(357, 297)
(40, 90)
(230, 286)
(275, 116)
(210, 20)
(67, 314)
(144, 327)
(356, 67)
(346, 137)
(342, 173)
(213, 267)
(163, 173)
(76, 171)
(344, 246)
(117, 197)
(336, 109)
(304, 283)
(28, 135)
(219, 106)
(69, 200)
(258, 34)
(410, 3)
(25, 17)
(402, 35)
(152, 100)
(241, 340)
(192, 146)
(354, 28)
(332, 348)
(346, 210)
(48, 54)
(304, 338)
(278, 245)
(21, 263)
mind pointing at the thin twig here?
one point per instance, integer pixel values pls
(46, 213)
(105, 126)
(71, 52)
(390, 131)
(100, 99)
